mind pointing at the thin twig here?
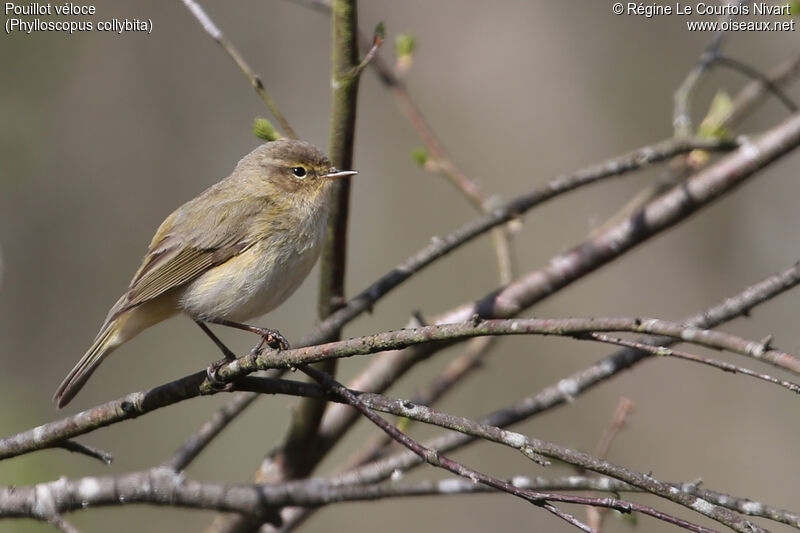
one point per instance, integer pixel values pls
(618, 421)
(255, 80)
(755, 92)
(397, 489)
(377, 41)
(596, 515)
(89, 451)
(768, 84)
(568, 518)
(669, 352)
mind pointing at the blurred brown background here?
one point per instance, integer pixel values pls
(103, 135)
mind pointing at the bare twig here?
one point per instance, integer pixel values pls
(255, 80)
(721, 365)
(89, 451)
(755, 92)
(163, 486)
(763, 79)
(595, 515)
(377, 41)
(618, 421)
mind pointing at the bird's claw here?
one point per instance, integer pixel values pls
(211, 374)
(273, 339)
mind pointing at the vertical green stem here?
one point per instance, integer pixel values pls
(302, 435)
(342, 135)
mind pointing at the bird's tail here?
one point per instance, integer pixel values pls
(106, 342)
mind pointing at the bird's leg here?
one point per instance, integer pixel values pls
(272, 337)
(211, 370)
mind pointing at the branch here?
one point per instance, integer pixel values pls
(163, 486)
(89, 451)
(136, 404)
(756, 91)
(668, 352)
(765, 81)
(569, 327)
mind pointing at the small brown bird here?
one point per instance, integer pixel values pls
(233, 253)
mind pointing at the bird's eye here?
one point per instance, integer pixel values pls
(299, 172)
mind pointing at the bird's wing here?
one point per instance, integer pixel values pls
(188, 243)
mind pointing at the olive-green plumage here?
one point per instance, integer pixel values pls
(233, 253)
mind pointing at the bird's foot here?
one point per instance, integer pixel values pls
(271, 338)
(213, 379)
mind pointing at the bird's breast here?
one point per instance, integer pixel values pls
(260, 278)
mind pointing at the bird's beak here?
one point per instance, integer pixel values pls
(334, 174)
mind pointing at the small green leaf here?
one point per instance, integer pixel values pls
(712, 126)
(404, 45)
(403, 423)
(263, 129)
(380, 32)
(420, 156)
(794, 8)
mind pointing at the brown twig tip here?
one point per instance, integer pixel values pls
(89, 451)
(378, 36)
